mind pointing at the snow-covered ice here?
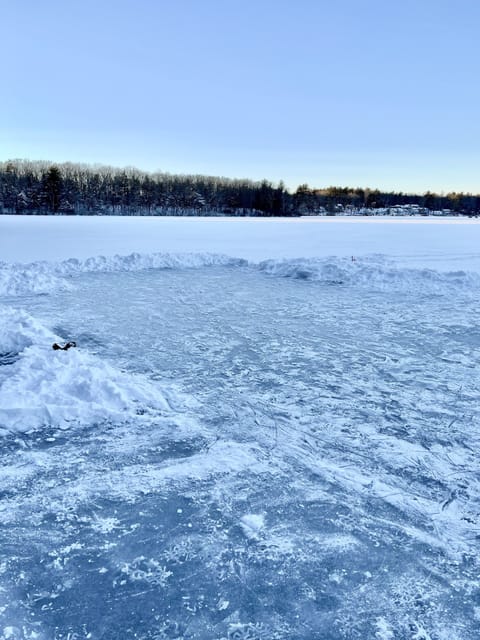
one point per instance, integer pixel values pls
(257, 437)
(440, 243)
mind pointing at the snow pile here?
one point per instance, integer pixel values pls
(371, 272)
(46, 277)
(37, 277)
(19, 330)
(141, 262)
(42, 387)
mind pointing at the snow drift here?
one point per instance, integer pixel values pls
(374, 272)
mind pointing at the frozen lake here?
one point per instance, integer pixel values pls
(439, 243)
(288, 458)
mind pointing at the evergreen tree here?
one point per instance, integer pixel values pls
(53, 188)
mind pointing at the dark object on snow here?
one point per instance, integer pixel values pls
(8, 358)
(66, 346)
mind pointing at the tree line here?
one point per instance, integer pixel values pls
(338, 199)
(39, 187)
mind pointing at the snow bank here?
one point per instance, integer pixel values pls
(45, 277)
(140, 262)
(37, 277)
(372, 272)
(42, 387)
(18, 330)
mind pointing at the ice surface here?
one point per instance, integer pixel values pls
(447, 244)
(280, 449)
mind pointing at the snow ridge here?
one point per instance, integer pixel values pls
(374, 272)
(45, 277)
(37, 277)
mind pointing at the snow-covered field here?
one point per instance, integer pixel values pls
(269, 429)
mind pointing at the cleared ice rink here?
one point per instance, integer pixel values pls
(252, 448)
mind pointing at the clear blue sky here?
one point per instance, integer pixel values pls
(378, 93)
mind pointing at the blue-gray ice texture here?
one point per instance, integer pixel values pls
(316, 476)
